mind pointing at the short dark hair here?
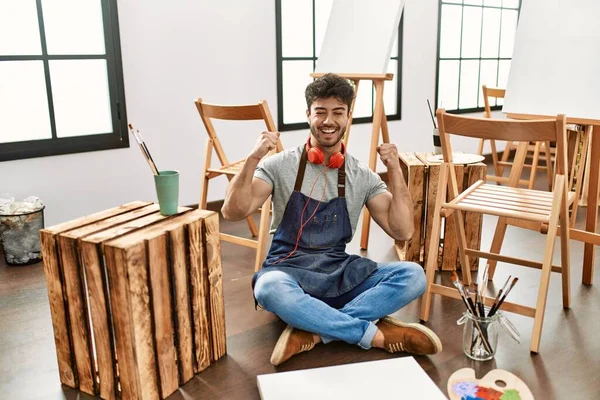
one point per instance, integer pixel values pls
(330, 85)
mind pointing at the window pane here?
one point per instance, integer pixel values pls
(471, 34)
(475, 2)
(23, 102)
(450, 31)
(469, 88)
(296, 28)
(296, 75)
(390, 90)
(491, 33)
(81, 97)
(19, 21)
(363, 107)
(503, 72)
(510, 3)
(452, 1)
(488, 74)
(509, 26)
(448, 85)
(494, 3)
(73, 26)
(322, 11)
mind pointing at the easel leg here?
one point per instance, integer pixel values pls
(347, 134)
(378, 124)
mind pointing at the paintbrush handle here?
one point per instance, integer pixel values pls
(495, 304)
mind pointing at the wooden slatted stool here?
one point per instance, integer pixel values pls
(146, 288)
(421, 177)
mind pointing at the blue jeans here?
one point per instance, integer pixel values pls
(348, 317)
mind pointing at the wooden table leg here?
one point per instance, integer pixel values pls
(592, 206)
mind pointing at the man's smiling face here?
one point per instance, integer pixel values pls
(328, 119)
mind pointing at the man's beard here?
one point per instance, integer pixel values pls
(316, 134)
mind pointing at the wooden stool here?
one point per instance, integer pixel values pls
(147, 288)
(422, 180)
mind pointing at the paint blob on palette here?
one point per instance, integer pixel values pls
(497, 384)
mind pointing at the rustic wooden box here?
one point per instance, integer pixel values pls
(136, 299)
(422, 179)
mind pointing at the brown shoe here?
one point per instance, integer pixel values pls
(408, 337)
(291, 342)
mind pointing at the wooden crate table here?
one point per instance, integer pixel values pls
(136, 299)
(421, 178)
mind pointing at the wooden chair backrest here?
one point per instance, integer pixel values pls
(507, 130)
(246, 112)
(487, 93)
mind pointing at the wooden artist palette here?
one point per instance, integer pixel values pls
(497, 384)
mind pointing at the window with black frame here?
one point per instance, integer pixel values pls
(475, 46)
(301, 26)
(61, 84)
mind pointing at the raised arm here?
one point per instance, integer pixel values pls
(393, 211)
(245, 193)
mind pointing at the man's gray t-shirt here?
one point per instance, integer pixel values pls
(279, 171)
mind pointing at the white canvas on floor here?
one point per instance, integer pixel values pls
(398, 378)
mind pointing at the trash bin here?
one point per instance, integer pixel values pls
(20, 237)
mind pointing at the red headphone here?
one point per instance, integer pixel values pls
(316, 156)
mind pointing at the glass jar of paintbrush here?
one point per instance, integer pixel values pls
(480, 334)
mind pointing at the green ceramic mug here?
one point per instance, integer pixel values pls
(167, 191)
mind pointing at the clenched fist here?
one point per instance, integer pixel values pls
(266, 142)
(389, 156)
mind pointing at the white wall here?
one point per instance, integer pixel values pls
(224, 52)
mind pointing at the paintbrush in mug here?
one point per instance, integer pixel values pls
(456, 282)
(494, 310)
(463, 290)
(145, 152)
(500, 294)
(478, 301)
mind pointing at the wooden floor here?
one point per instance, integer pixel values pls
(566, 368)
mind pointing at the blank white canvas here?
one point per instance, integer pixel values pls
(399, 378)
(556, 61)
(359, 36)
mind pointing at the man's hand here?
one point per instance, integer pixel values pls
(389, 156)
(266, 142)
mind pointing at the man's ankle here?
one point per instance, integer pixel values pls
(378, 340)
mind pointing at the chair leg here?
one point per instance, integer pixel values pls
(540, 306)
(579, 179)
(495, 158)
(565, 252)
(205, 180)
(549, 168)
(480, 148)
(496, 245)
(263, 232)
(534, 164)
(506, 155)
(434, 242)
(462, 244)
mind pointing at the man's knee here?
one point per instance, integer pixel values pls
(414, 275)
(417, 278)
(269, 287)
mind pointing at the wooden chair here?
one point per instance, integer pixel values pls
(259, 111)
(534, 149)
(546, 209)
